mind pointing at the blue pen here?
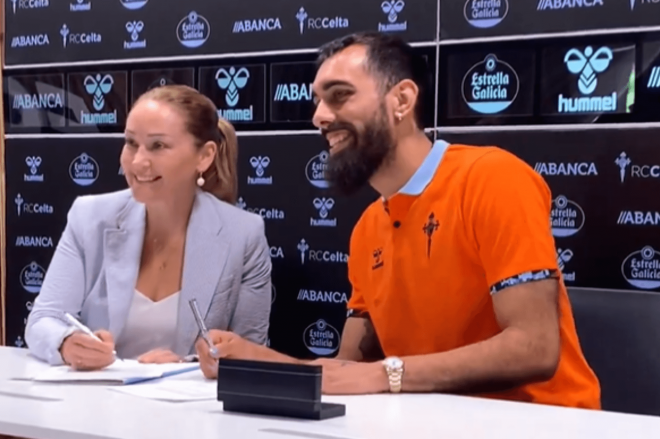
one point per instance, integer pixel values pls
(202, 327)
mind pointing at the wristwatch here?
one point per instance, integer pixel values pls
(394, 369)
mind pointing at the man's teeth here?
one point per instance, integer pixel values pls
(337, 140)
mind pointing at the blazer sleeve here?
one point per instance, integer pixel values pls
(251, 318)
(63, 290)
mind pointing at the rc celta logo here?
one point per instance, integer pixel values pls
(325, 256)
(490, 86)
(98, 86)
(69, 37)
(636, 171)
(84, 170)
(259, 164)
(265, 213)
(37, 40)
(567, 4)
(392, 8)
(193, 30)
(133, 4)
(24, 207)
(258, 25)
(80, 6)
(318, 23)
(483, 14)
(587, 65)
(29, 4)
(634, 3)
(232, 81)
(134, 28)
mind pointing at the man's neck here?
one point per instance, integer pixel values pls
(408, 157)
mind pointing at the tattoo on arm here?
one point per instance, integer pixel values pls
(370, 345)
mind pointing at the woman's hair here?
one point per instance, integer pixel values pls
(201, 120)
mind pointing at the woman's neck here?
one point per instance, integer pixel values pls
(168, 219)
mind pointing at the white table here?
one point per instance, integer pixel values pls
(51, 411)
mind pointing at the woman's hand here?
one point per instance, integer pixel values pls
(228, 344)
(159, 356)
(83, 352)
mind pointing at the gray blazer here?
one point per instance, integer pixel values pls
(94, 270)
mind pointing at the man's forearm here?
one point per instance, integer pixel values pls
(502, 362)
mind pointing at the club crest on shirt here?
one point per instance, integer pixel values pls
(429, 229)
(378, 259)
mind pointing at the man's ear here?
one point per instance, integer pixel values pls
(405, 96)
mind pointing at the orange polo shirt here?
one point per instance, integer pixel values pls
(425, 263)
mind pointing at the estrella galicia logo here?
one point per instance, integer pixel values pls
(392, 8)
(133, 4)
(483, 14)
(134, 28)
(193, 30)
(161, 82)
(490, 86)
(32, 277)
(98, 86)
(641, 268)
(321, 338)
(315, 170)
(259, 164)
(566, 217)
(587, 65)
(84, 170)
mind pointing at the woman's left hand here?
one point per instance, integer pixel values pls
(159, 356)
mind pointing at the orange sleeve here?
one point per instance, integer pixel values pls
(507, 210)
(356, 307)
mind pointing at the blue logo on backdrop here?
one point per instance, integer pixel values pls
(232, 80)
(490, 86)
(193, 30)
(98, 86)
(315, 170)
(134, 28)
(587, 66)
(485, 13)
(567, 4)
(133, 4)
(654, 78)
(392, 8)
(84, 170)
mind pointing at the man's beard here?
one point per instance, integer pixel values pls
(351, 168)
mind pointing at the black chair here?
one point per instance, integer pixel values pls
(620, 336)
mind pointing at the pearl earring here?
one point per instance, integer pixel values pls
(200, 181)
(398, 117)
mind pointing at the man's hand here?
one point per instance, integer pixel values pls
(352, 378)
(159, 356)
(83, 352)
(228, 344)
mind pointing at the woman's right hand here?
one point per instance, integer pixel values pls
(82, 352)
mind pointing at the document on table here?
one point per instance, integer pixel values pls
(176, 390)
(121, 372)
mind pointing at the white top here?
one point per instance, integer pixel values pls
(93, 412)
(149, 325)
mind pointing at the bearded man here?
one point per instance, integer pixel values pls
(455, 283)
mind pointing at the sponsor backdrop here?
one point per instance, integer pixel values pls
(251, 66)
(43, 31)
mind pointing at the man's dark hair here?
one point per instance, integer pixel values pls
(390, 59)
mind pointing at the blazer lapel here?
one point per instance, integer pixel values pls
(204, 261)
(122, 248)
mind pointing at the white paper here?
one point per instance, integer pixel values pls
(118, 372)
(172, 390)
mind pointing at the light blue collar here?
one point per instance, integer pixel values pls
(424, 174)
